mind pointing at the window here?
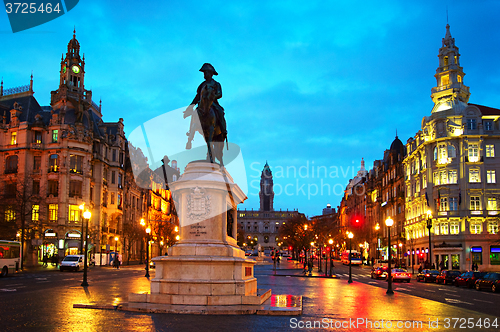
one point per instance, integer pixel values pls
(437, 179)
(475, 228)
(490, 150)
(477, 255)
(36, 187)
(37, 137)
(490, 177)
(475, 203)
(471, 124)
(119, 202)
(37, 163)
(75, 189)
(473, 153)
(10, 214)
(52, 212)
(112, 198)
(495, 255)
(424, 181)
(53, 188)
(11, 164)
(105, 176)
(491, 204)
(13, 138)
(452, 152)
(113, 154)
(452, 176)
(119, 180)
(35, 212)
(74, 213)
(11, 190)
(113, 177)
(443, 206)
(488, 125)
(444, 228)
(493, 228)
(76, 164)
(474, 175)
(453, 203)
(454, 228)
(435, 153)
(444, 177)
(55, 135)
(53, 163)
(105, 198)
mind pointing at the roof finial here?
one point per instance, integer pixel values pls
(446, 14)
(396, 132)
(74, 31)
(31, 82)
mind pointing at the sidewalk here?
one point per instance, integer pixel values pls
(293, 268)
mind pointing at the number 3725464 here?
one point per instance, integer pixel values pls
(31, 8)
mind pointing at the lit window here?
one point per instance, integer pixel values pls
(53, 164)
(53, 212)
(444, 228)
(473, 153)
(444, 177)
(474, 175)
(10, 214)
(454, 228)
(35, 212)
(475, 203)
(424, 181)
(76, 164)
(13, 138)
(490, 177)
(492, 204)
(445, 80)
(38, 137)
(490, 150)
(493, 228)
(475, 228)
(452, 176)
(55, 134)
(443, 206)
(435, 153)
(74, 213)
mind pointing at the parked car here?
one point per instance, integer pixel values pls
(427, 275)
(468, 279)
(379, 272)
(400, 274)
(447, 277)
(489, 281)
(72, 262)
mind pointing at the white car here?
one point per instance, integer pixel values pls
(400, 274)
(72, 262)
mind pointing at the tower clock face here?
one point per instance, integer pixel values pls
(75, 69)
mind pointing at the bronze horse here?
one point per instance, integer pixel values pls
(210, 128)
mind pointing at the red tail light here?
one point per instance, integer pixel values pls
(427, 275)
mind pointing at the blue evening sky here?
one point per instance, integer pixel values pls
(306, 84)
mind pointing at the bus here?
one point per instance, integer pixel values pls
(10, 257)
(355, 257)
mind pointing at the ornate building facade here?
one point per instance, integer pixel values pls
(451, 170)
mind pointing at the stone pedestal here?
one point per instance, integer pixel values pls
(206, 267)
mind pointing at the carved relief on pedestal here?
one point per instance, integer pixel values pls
(198, 205)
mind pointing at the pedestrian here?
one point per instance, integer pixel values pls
(420, 268)
(433, 266)
(116, 262)
(45, 260)
(310, 267)
(441, 266)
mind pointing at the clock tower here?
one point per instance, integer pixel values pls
(266, 189)
(73, 67)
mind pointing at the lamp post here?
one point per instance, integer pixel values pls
(389, 222)
(86, 216)
(116, 247)
(429, 226)
(400, 253)
(377, 228)
(330, 242)
(81, 207)
(148, 231)
(350, 236)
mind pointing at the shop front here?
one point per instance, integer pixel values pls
(449, 257)
(72, 243)
(49, 247)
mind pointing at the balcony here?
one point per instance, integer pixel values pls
(11, 171)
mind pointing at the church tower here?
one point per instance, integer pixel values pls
(266, 189)
(450, 89)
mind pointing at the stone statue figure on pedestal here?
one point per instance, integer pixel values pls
(210, 114)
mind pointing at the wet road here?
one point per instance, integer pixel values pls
(43, 301)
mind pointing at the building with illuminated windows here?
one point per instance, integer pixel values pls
(450, 169)
(261, 227)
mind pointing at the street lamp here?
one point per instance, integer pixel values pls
(389, 222)
(148, 231)
(81, 207)
(350, 236)
(377, 228)
(116, 248)
(429, 226)
(330, 242)
(86, 216)
(400, 253)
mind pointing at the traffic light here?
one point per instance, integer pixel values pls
(290, 248)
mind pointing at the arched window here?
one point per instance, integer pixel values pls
(435, 153)
(452, 153)
(11, 164)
